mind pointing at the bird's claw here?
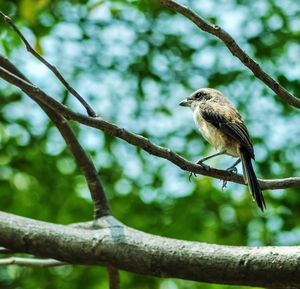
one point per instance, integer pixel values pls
(192, 174)
(224, 184)
(232, 170)
(203, 165)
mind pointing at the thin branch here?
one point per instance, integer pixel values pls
(114, 278)
(138, 140)
(5, 251)
(31, 262)
(30, 49)
(135, 251)
(84, 162)
(235, 49)
(96, 189)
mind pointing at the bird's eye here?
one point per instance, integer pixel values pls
(199, 95)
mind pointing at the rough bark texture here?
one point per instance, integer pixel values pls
(135, 251)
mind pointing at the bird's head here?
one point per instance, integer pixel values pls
(200, 95)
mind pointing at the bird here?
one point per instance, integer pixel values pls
(222, 126)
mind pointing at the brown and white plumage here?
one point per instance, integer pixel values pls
(223, 127)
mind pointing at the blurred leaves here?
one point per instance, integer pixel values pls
(29, 9)
(134, 61)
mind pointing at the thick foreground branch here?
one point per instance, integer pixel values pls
(134, 251)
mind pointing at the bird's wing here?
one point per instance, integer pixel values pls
(229, 122)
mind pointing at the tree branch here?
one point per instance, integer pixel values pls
(235, 49)
(101, 204)
(31, 262)
(84, 162)
(114, 278)
(5, 251)
(134, 251)
(29, 48)
(96, 189)
(138, 140)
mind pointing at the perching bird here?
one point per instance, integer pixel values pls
(223, 127)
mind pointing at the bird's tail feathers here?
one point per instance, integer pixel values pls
(251, 180)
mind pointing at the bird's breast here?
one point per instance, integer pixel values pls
(209, 131)
(214, 135)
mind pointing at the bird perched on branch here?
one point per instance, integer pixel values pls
(223, 127)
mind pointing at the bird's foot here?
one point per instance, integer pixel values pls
(203, 165)
(224, 184)
(232, 170)
(191, 175)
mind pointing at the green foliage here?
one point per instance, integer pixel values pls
(134, 61)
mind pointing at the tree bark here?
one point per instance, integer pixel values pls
(108, 242)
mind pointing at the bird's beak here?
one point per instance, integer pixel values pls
(185, 102)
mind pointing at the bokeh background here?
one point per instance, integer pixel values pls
(134, 61)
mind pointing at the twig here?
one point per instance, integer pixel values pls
(235, 49)
(29, 48)
(96, 189)
(5, 251)
(138, 140)
(114, 278)
(31, 262)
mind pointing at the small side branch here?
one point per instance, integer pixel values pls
(235, 49)
(114, 278)
(29, 48)
(31, 262)
(5, 251)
